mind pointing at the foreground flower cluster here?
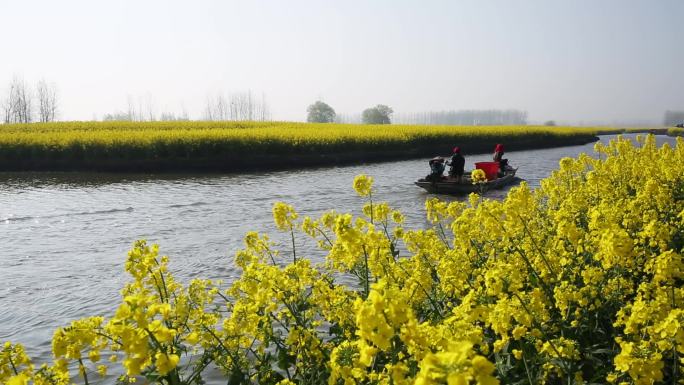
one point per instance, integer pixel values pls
(577, 282)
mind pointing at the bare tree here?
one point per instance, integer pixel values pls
(116, 116)
(47, 101)
(8, 106)
(263, 113)
(238, 106)
(217, 108)
(140, 116)
(24, 103)
(221, 108)
(242, 106)
(209, 109)
(172, 116)
(145, 109)
(184, 112)
(18, 106)
(465, 117)
(149, 109)
(131, 108)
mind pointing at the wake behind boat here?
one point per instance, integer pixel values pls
(465, 186)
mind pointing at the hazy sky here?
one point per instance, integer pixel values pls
(572, 61)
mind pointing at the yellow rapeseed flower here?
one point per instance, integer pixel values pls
(363, 184)
(478, 176)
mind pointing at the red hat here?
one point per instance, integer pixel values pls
(457, 150)
(499, 148)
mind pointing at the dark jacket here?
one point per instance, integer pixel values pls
(457, 164)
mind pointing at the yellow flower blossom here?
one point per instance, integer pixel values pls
(363, 184)
(478, 176)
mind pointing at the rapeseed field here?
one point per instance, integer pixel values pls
(228, 145)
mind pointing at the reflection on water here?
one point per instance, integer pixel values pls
(64, 236)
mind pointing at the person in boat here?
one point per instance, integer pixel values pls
(498, 157)
(436, 169)
(456, 165)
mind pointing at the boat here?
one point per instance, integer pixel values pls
(451, 186)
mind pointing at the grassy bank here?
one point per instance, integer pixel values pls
(234, 146)
(675, 131)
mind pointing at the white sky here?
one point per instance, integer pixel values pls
(573, 61)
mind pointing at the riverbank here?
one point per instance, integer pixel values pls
(247, 146)
(676, 131)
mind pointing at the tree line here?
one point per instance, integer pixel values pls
(466, 117)
(144, 109)
(673, 118)
(237, 106)
(24, 104)
(321, 112)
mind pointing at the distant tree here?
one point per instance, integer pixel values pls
(464, 117)
(117, 117)
(320, 112)
(173, 117)
(348, 118)
(550, 123)
(17, 106)
(379, 114)
(240, 106)
(150, 110)
(217, 108)
(130, 112)
(672, 118)
(47, 101)
(7, 108)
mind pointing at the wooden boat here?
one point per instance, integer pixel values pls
(450, 186)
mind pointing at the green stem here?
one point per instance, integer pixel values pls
(156, 284)
(538, 326)
(161, 275)
(206, 360)
(82, 367)
(294, 250)
(433, 302)
(173, 377)
(366, 272)
(527, 369)
(223, 347)
(546, 288)
(675, 368)
(534, 243)
(370, 199)
(14, 368)
(442, 235)
(166, 291)
(294, 314)
(325, 236)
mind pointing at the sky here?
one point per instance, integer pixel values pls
(573, 61)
